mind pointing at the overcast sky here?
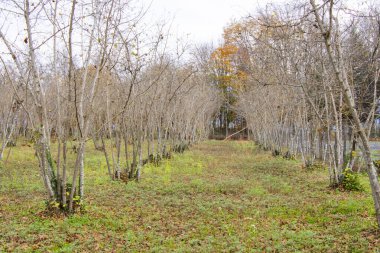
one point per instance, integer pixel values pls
(203, 20)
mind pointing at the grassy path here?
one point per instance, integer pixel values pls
(218, 197)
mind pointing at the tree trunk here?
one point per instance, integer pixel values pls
(340, 74)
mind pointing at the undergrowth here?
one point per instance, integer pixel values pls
(219, 196)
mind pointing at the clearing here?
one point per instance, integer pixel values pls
(221, 196)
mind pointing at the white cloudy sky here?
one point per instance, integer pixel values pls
(203, 20)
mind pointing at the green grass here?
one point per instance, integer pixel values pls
(217, 197)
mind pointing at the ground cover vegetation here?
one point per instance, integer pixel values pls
(217, 197)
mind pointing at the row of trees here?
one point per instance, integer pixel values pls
(94, 71)
(310, 83)
(304, 77)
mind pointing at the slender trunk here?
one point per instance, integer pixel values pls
(139, 166)
(126, 153)
(104, 148)
(149, 143)
(58, 179)
(152, 141)
(81, 170)
(64, 157)
(41, 151)
(77, 170)
(341, 76)
(118, 151)
(134, 157)
(159, 141)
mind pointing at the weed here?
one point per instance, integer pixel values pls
(351, 181)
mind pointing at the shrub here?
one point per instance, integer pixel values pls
(289, 156)
(276, 152)
(180, 148)
(11, 143)
(351, 181)
(54, 207)
(377, 165)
